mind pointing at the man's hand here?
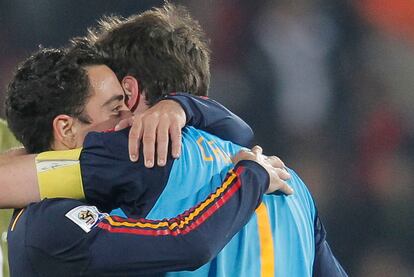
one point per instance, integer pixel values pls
(273, 165)
(155, 126)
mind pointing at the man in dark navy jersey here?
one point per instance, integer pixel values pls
(69, 237)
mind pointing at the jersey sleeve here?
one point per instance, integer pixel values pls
(110, 180)
(102, 174)
(210, 116)
(65, 234)
(59, 174)
(325, 263)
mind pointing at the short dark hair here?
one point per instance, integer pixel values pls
(48, 83)
(163, 48)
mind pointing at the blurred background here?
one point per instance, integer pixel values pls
(326, 85)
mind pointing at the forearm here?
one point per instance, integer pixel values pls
(124, 246)
(208, 115)
(18, 185)
(7, 157)
(189, 240)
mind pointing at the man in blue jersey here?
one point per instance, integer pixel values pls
(299, 246)
(296, 231)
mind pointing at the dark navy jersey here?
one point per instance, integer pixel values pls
(208, 115)
(65, 237)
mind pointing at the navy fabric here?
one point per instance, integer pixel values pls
(210, 116)
(325, 262)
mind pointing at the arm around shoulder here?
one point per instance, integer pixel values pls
(18, 184)
(114, 245)
(209, 115)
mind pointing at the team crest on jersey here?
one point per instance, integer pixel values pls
(85, 217)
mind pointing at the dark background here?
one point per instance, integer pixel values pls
(326, 85)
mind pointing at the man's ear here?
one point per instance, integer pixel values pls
(64, 132)
(132, 92)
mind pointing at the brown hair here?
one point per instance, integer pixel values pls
(163, 48)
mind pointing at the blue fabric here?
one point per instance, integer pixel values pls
(291, 217)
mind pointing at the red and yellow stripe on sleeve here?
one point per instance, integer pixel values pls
(183, 223)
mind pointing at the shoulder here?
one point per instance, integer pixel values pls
(52, 223)
(39, 232)
(114, 144)
(57, 230)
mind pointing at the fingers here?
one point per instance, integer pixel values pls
(257, 150)
(276, 169)
(127, 120)
(273, 165)
(156, 125)
(275, 162)
(162, 143)
(244, 154)
(277, 181)
(253, 155)
(148, 142)
(285, 188)
(134, 139)
(124, 123)
(283, 174)
(175, 134)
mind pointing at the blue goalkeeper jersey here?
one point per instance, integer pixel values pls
(278, 240)
(284, 238)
